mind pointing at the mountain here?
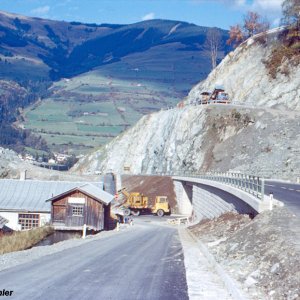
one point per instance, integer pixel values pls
(258, 133)
(114, 72)
(69, 49)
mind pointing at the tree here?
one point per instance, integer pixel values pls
(213, 41)
(253, 23)
(235, 35)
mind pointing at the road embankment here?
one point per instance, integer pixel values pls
(262, 254)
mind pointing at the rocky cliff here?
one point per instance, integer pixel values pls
(203, 138)
(258, 133)
(244, 75)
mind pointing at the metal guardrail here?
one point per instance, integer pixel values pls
(253, 185)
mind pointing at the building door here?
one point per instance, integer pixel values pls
(59, 213)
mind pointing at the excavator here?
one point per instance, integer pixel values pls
(137, 203)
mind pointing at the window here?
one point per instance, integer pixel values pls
(162, 200)
(29, 221)
(77, 211)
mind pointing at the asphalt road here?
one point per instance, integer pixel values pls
(288, 193)
(143, 262)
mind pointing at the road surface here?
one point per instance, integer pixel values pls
(288, 193)
(143, 262)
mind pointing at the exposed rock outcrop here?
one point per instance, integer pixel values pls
(204, 138)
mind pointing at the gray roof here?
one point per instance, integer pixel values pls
(31, 195)
(91, 190)
(96, 192)
(3, 221)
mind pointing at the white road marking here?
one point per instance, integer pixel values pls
(283, 187)
(298, 191)
(291, 189)
(270, 185)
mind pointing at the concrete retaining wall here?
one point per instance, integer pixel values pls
(209, 202)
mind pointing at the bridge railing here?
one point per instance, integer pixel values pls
(253, 185)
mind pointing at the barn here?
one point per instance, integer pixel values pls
(24, 205)
(86, 204)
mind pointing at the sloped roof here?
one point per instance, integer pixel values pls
(31, 195)
(3, 221)
(91, 190)
(97, 193)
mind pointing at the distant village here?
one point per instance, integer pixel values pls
(55, 161)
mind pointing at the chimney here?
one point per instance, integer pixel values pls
(23, 175)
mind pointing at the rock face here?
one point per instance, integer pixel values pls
(204, 138)
(258, 133)
(245, 77)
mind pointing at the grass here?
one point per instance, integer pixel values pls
(101, 102)
(22, 240)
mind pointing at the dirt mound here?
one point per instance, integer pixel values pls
(263, 254)
(151, 186)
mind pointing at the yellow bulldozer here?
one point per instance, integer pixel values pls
(137, 203)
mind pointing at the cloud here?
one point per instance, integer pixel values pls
(274, 5)
(149, 16)
(41, 11)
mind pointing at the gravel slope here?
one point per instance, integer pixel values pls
(263, 254)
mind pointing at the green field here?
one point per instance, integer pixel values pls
(89, 110)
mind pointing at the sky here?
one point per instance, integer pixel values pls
(213, 13)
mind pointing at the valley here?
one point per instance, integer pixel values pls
(88, 82)
(88, 110)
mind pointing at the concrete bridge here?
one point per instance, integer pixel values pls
(207, 196)
(210, 196)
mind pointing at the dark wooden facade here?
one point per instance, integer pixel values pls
(74, 209)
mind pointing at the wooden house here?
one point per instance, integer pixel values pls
(87, 204)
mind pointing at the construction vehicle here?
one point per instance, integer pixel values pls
(217, 96)
(137, 203)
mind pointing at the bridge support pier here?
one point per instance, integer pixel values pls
(184, 196)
